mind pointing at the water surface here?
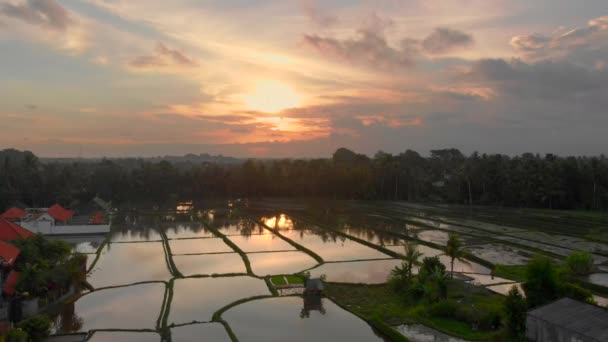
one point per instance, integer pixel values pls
(190, 265)
(280, 262)
(292, 319)
(196, 299)
(213, 332)
(421, 333)
(126, 336)
(197, 246)
(366, 272)
(128, 263)
(261, 243)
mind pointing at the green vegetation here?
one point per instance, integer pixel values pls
(527, 180)
(387, 331)
(16, 335)
(579, 264)
(513, 272)
(37, 327)
(466, 306)
(516, 308)
(454, 251)
(546, 282)
(47, 267)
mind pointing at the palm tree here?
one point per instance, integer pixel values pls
(411, 257)
(454, 251)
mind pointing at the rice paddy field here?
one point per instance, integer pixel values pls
(217, 271)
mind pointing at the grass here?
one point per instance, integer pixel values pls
(512, 272)
(286, 279)
(381, 302)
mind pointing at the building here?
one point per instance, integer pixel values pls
(12, 231)
(57, 220)
(567, 320)
(14, 214)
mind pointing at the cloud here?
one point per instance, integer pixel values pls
(46, 13)
(310, 9)
(369, 49)
(164, 57)
(444, 39)
(584, 44)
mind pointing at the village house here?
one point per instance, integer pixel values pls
(567, 320)
(57, 220)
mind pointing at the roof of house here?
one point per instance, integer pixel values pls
(13, 214)
(11, 283)
(98, 218)
(582, 318)
(12, 231)
(8, 252)
(59, 213)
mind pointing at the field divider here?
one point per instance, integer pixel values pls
(350, 237)
(232, 245)
(291, 242)
(169, 257)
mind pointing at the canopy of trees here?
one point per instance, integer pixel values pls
(445, 176)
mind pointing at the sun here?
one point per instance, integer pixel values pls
(272, 96)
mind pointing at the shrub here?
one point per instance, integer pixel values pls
(37, 327)
(542, 282)
(575, 292)
(16, 335)
(579, 264)
(515, 308)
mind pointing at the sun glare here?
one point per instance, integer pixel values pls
(272, 96)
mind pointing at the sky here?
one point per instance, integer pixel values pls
(300, 78)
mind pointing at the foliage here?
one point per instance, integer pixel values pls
(16, 335)
(38, 327)
(486, 320)
(429, 264)
(515, 308)
(431, 282)
(579, 264)
(447, 175)
(401, 275)
(542, 282)
(545, 283)
(454, 251)
(386, 330)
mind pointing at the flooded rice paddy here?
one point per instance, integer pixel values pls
(155, 278)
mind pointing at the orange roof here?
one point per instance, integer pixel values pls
(59, 213)
(12, 231)
(11, 283)
(97, 218)
(8, 252)
(13, 214)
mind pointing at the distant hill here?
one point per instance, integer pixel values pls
(176, 160)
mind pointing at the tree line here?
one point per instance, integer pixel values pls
(447, 175)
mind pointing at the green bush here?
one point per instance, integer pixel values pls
(575, 292)
(37, 327)
(16, 335)
(515, 307)
(579, 264)
(482, 318)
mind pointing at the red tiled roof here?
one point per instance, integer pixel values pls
(59, 213)
(11, 283)
(13, 214)
(98, 218)
(8, 252)
(12, 231)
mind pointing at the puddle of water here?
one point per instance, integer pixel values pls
(504, 289)
(133, 235)
(421, 333)
(333, 249)
(435, 236)
(127, 336)
(131, 307)
(425, 250)
(193, 332)
(280, 262)
(190, 265)
(193, 246)
(293, 319)
(183, 231)
(599, 279)
(366, 272)
(243, 227)
(261, 243)
(500, 254)
(127, 263)
(193, 299)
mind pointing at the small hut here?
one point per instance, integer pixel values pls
(313, 287)
(567, 320)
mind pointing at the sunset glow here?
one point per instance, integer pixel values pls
(272, 96)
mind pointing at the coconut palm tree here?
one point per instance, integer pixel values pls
(411, 257)
(454, 251)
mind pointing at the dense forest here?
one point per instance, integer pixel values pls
(446, 175)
